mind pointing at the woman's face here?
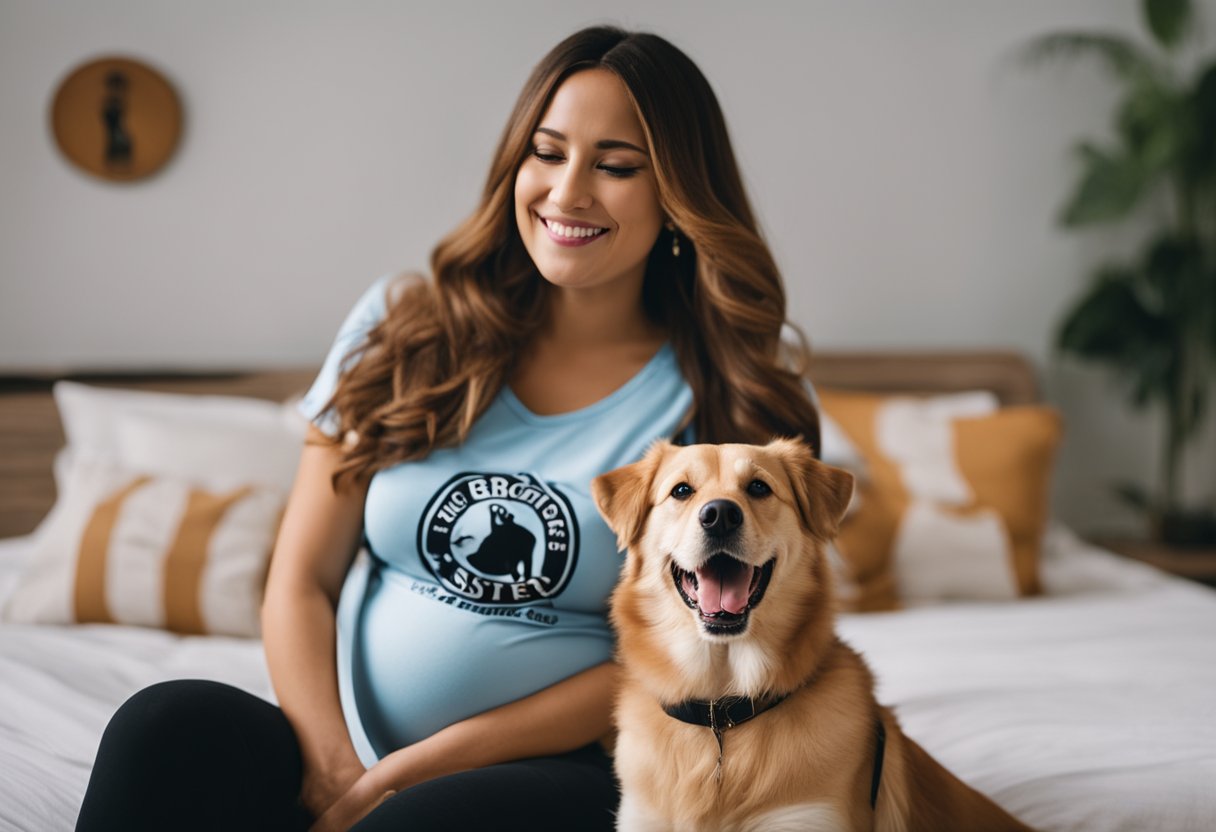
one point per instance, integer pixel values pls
(585, 198)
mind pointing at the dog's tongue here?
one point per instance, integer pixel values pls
(723, 584)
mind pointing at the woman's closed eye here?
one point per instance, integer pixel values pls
(551, 158)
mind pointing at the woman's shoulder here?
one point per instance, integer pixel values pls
(399, 286)
(386, 292)
(352, 341)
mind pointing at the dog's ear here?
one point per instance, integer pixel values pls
(623, 495)
(821, 491)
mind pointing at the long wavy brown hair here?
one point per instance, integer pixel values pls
(447, 346)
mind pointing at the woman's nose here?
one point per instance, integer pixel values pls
(571, 190)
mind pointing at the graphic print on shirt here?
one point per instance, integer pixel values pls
(499, 538)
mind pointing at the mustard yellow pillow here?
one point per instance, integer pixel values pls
(953, 502)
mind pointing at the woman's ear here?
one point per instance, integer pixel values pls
(623, 495)
(821, 491)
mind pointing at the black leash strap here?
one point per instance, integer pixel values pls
(879, 752)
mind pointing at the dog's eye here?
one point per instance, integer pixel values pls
(682, 491)
(758, 488)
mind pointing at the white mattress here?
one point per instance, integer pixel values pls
(1093, 708)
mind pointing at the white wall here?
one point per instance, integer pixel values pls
(905, 168)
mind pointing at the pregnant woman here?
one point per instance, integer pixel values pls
(611, 288)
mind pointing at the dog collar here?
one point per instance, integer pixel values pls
(723, 714)
(720, 714)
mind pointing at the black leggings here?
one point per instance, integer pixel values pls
(198, 755)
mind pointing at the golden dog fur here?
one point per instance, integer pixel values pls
(806, 764)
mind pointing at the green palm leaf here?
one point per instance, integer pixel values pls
(1111, 322)
(1116, 324)
(1111, 185)
(1167, 20)
(1117, 54)
(1151, 121)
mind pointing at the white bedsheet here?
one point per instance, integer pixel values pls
(60, 685)
(1093, 708)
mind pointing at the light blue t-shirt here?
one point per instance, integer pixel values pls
(490, 569)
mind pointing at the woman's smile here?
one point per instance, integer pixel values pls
(571, 234)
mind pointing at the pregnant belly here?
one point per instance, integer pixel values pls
(418, 664)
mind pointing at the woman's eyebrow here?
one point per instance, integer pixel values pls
(602, 144)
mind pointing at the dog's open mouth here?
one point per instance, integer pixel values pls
(723, 591)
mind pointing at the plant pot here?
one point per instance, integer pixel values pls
(1187, 527)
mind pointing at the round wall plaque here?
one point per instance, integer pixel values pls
(116, 118)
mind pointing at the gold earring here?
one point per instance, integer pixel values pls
(675, 240)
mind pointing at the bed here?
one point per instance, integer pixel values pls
(1088, 703)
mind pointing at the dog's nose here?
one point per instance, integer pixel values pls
(720, 517)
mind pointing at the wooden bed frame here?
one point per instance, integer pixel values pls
(30, 433)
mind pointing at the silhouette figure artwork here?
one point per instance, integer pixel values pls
(505, 548)
(117, 119)
(119, 147)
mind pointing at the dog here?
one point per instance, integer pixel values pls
(739, 709)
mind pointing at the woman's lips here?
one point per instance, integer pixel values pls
(570, 242)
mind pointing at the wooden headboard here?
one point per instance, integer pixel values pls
(1007, 374)
(30, 433)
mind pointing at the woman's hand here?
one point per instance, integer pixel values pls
(321, 789)
(364, 795)
(559, 718)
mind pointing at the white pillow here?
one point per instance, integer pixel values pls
(103, 425)
(124, 547)
(208, 451)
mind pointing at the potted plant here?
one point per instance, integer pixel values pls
(1153, 319)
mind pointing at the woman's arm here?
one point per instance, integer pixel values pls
(560, 718)
(317, 540)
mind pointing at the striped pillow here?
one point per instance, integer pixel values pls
(954, 502)
(121, 547)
